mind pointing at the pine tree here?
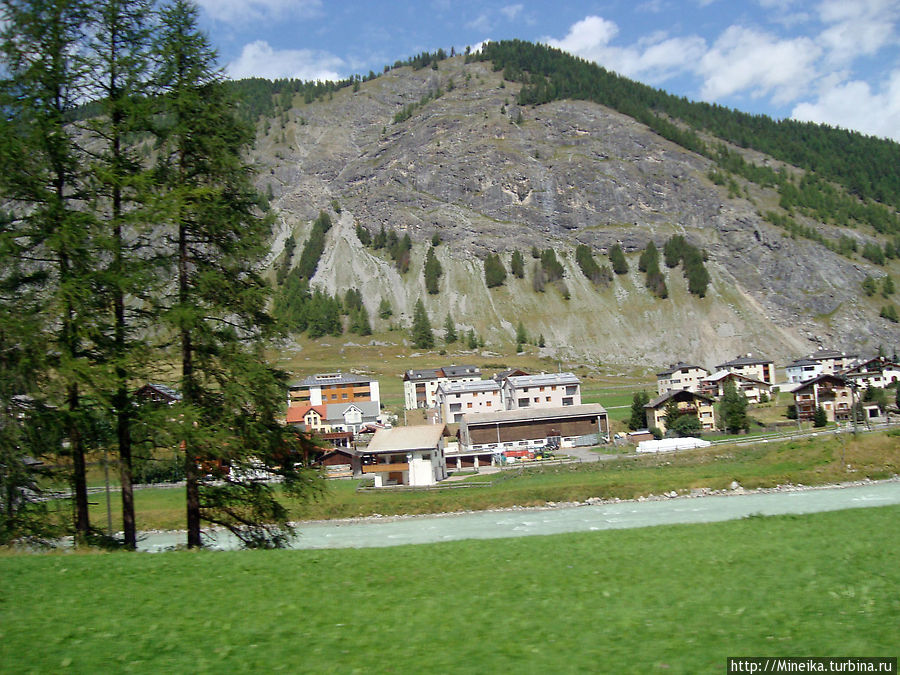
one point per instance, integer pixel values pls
(733, 409)
(121, 72)
(494, 272)
(384, 309)
(638, 418)
(432, 272)
(450, 335)
(617, 260)
(43, 182)
(517, 265)
(230, 396)
(422, 335)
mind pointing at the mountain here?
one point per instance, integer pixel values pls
(511, 150)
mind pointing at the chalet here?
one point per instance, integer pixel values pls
(821, 362)
(714, 385)
(750, 366)
(406, 455)
(547, 390)
(351, 417)
(328, 388)
(688, 402)
(311, 418)
(486, 434)
(157, 393)
(833, 393)
(877, 372)
(420, 386)
(455, 399)
(680, 376)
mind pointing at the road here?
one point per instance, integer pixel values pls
(374, 532)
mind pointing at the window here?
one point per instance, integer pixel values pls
(469, 404)
(568, 401)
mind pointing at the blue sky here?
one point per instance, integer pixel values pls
(831, 61)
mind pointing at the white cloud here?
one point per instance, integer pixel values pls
(854, 105)
(653, 59)
(238, 11)
(512, 11)
(743, 59)
(258, 59)
(857, 28)
(482, 23)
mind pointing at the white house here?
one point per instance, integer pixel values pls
(351, 416)
(455, 399)
(802, 370)
(877, 372)
(547, 390)
(680, 377)
(820, 362)
(420, 386)
(406, 455)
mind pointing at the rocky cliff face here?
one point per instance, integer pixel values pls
(490, 176)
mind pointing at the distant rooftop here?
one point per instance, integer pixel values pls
(464, 387)
(533, 414)
(324, 379)
(543, 379)
(679, 366)
(748, 360)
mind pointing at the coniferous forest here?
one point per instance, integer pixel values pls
(120, 268)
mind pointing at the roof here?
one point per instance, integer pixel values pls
(748, 360)
(165, 390)
(297, 413)
(724, 374)
(423, 374)
(405, 439)
(883, 364)
(829, 354)
(680, 366)
(325, 379)
(464, 387)
(503, 374)
(822, 378)
(335, 411)
(459, 371)
(802, 362)
(448, 372)
(659, 400)
(533, 414)
(517, 381)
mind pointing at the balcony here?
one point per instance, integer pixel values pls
(382, 468)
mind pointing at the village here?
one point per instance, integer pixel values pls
(474, 421)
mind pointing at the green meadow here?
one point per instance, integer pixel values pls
(813, 461)
(677, 599)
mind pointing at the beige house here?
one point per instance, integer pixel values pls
(688, 402)
(751, 366)
(547, 390)
(406, 455)
(680, 376)
(455, 399)
(833, 392)
(714, 385)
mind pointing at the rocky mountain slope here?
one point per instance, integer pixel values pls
(491, 176)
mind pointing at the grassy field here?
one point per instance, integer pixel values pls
(811, 461)
(676, 599)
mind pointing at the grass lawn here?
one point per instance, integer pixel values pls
(676, 599)
(812, 461)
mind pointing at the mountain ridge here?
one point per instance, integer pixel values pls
(491, 176)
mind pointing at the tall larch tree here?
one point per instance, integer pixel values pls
(230, 396)
(122, 200)
(42, 181)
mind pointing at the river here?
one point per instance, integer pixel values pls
(524, 522)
